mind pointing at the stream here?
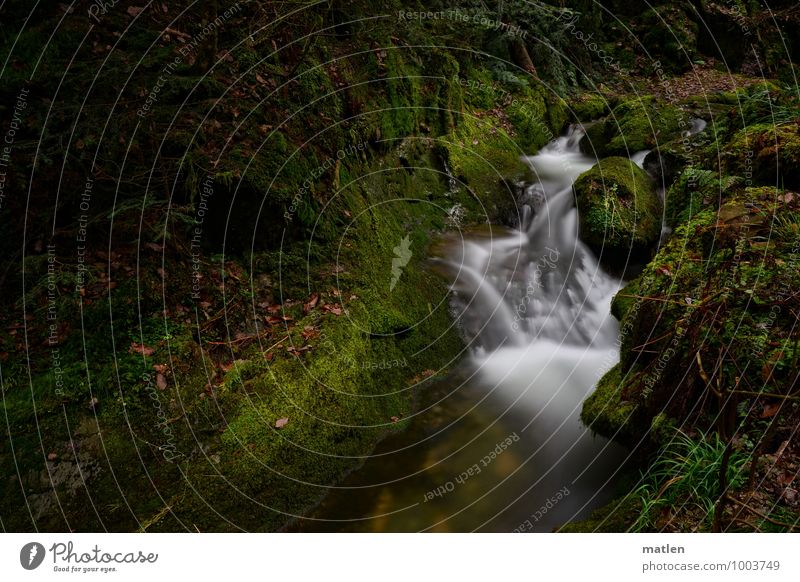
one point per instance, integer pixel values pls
(499, 445)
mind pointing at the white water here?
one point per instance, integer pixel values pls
(535, 306)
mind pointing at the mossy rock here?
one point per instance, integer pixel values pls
(624, 299)
(633, 125)
(733, 260)
(696, 189)
(607, 411)
(589, 106)
(666, 161)
(765, 154)
(620, 211)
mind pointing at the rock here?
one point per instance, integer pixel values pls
(766, 154)
(666, 162)
(620, 212)
(589, 106)
(606, 411)
(694, 190)
(633, 125)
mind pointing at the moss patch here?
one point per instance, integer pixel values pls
(633, 125)
(619, 208)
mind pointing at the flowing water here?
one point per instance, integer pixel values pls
(499, 445)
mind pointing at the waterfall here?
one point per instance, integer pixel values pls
(534, 306)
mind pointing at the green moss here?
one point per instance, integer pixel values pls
(696, 189)
(662, 429)
(589, 107)
(487, 162)
(606, 411)
(619, 208)
(733, 261)
(633, 125)
(625, 299)
(766, 153)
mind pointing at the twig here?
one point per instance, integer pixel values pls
(761, 515)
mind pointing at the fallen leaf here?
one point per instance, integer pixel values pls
(333, 308)
(281, 422)
(311, 303)
(141, 349)
(309, 332)
(161, 382)
(134, 10)
(770, 410)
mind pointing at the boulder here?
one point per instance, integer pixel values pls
(620, 211)
(633, 125)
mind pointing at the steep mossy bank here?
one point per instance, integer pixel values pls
(215, 220)
(243, 309)
(706, 387)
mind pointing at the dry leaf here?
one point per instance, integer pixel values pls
(281, 422)
(161, 382)
(770, 410)
(311, 304)
(141, 349)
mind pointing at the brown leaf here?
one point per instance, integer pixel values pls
(141, 349)
(664, 271)
(311, 303)
(161, 382)
(134, 10)
(770, 410)
(281, 422)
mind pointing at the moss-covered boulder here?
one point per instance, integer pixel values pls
(717, 289)
(765, 153)
(696, 189)
(667, 160)
(589, 106)
(607, 410)
(620, 212)
(634, 125)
